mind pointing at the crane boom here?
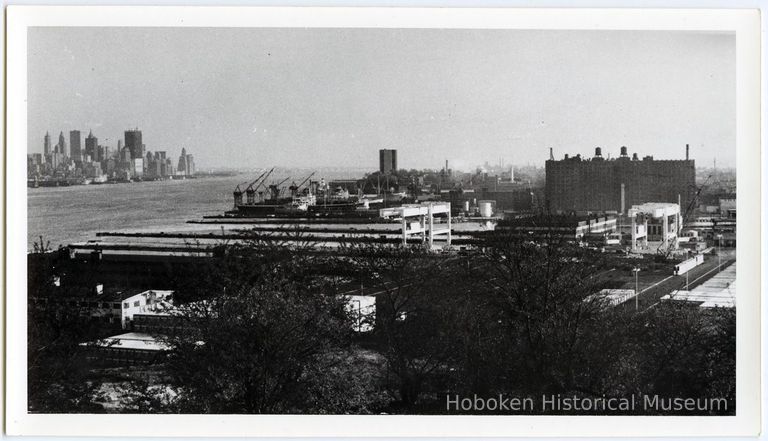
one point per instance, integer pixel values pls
(275, 188)
(305, 180)
(250, 186)
(695, 198)
(689, 209)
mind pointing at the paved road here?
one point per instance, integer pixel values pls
(650, 294)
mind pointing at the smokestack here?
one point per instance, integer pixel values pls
(623, 152)
(446, 165)
(622, 197)
(687, 148)
(551, 155)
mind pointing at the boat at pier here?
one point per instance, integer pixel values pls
(307, 198)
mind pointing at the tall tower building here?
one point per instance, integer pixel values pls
(190, 165)
(182, 162)
(92, 146)
(47, 144)
(75, 148)
(387, 161)
(61, 147)
(134, 144)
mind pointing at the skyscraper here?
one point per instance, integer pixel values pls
(61, 147)
(75, 149)
(91, 146)
(182, 168)
(134, 144)
(387, 161)
(190, 165)
(47, 144)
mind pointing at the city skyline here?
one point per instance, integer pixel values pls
(114, 144)
(253, 98)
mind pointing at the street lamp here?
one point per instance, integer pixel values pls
(637, 291)
(719, 244)
(359, 314)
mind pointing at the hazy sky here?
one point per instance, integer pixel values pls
(324, 97)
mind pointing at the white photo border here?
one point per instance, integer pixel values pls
(746, 25)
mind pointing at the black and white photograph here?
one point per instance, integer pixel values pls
(384, 220)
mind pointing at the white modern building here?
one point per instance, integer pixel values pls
(419, 219)
(655, 221)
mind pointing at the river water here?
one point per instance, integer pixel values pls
(64, 215)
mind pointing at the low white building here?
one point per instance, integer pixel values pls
(147, 302)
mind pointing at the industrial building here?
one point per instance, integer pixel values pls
(566, 226)
(576, 184)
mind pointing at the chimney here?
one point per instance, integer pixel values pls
(446, 165)
(551, 155)
(623, 151)
(622, 194)
(687, 149)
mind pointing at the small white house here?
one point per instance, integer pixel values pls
(147, 302)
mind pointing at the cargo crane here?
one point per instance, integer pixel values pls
(692, 204)
(275, 190)
(238, 193)
(688, 211)
(295, 188)
(250, 192)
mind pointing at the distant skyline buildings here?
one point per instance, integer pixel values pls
(134, 143)
(130, 160)
(61, 146)
(75, 148)
(186, 163)
(47, 144)
(91, 146)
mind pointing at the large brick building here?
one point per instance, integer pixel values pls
(576, 184)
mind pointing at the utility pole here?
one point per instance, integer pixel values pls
(719, 245)
(636, 270)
